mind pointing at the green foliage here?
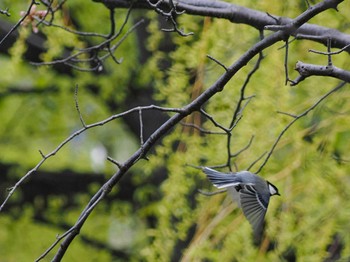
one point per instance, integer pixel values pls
(309, 165)
(17, 241)
(313, 185)
(37, 111)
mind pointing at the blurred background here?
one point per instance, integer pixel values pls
(156, 213)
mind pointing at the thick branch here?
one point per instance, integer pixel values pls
(306, 70)
(242, 15)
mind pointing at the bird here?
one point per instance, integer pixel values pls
(251, 192)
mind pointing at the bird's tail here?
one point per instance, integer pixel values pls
(221, 180)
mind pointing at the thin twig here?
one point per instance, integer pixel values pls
(287, 114)
(111, 18)
(77, 133)
(103, 46)
(217, 61)
(238, 110)
(243, 149)
(77, 106)
(5, 12)
(286, 62)
(256, 161)
(141, 127)
(338, 159)
(58, 239)
(329, 43)
(307, 3)
(296, 119)
(202, 130)
(114, 162)
(71, 233)
(213, 120)
(330, 53)
(73, 31)
(170, 16)
(33, 2)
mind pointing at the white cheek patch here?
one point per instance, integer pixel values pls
(272, 190)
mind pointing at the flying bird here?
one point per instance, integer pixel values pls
(251, 192)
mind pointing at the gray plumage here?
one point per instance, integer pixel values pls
(251, 192)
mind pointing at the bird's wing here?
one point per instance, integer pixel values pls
(221, 180)
(254, 206)
(234, 193)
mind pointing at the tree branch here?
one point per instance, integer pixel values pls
(196, 7)
(307, 70)
(33, 2)
(75, 134)
(296, 118)
(195, 105)
(5, 12)
(242, 15)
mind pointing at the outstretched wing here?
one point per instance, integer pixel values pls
(254, 206)
(221, 180)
